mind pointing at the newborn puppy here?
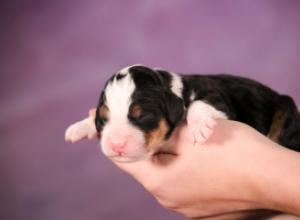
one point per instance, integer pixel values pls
(140, 107)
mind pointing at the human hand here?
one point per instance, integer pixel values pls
(230, 174)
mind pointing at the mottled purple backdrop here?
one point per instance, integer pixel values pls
(55, 56)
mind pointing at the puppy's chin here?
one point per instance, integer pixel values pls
(129, 159)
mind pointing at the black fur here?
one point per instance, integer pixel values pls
(239, 98)
(156, 100)
(100, 121)
(247, 101)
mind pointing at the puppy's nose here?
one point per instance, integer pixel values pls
(118, 146)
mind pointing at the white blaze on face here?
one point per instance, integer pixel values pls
(176, 84)
(118, 130)
(125, 70)
(118, 97)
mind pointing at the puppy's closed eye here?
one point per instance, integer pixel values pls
(147, 117)
(143, 118)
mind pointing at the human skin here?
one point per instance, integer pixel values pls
(237, 170)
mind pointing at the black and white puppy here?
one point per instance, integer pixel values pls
(140, 107)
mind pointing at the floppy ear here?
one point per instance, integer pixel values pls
(98, 121)
(174, 108)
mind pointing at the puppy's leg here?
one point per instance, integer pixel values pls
(201, 120)
(81, 129)
(285, 127)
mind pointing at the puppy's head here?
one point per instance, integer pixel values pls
(136, 113)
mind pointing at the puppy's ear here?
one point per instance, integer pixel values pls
(144, 76)
(174, 108)
(99, 122)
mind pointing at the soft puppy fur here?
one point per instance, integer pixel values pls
(140, 107)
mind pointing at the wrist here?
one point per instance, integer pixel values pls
(277, 180)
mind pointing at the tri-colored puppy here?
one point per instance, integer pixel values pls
(140, 107)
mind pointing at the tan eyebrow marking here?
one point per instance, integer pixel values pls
(136, 111)
(276, 126)
(103, 111)
(156, 137)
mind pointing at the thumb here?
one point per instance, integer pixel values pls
(149, 172)
(141, 170)
(154, 166)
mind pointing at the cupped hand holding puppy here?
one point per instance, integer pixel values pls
(237, 170)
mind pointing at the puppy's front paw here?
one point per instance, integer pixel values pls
(201, 120)
(80, 130)
(201, 127)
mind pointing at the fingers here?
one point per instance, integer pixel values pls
(181, 145)
(142, 170)
(181, 139)
(149, 172)
(152, 171)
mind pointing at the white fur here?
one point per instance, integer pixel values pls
(201, 120)
(125, 71)
(118, 97)
(82, 129)
(192, 96)
(128, 134)
(176, 84)
(118, 128)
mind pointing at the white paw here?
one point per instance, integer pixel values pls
(201, 128)
(80, 130)
(201, 120)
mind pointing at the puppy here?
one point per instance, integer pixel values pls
(140, 107)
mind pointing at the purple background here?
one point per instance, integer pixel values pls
(55, 56)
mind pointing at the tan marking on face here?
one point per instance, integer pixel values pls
(155, 138)
(276, 126)
(136, 111)
(103, 111)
